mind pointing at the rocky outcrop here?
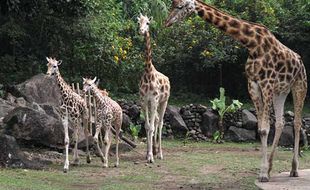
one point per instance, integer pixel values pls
(249, 120)
(40, 89)
(236, 134)
(210, 122)
(176, 122)
(11, 156)
(26, 124)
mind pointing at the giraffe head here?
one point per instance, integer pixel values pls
(179, 10)
(88, 84)
(144, 23)
(52, 66)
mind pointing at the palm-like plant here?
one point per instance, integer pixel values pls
(222, 108)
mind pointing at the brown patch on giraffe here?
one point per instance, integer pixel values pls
(247, 31)
(234, 23)
(162, 89)
(152, 77)
(155, 93)
(151, 87)
(210, 16)
(201, 13)
(216, 21)
(252, 44)
(234, 32)
(266, 45)
(258, 38)
(226, 17)
(223, 26)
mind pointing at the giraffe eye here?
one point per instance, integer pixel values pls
(179, 7)
(54, 66)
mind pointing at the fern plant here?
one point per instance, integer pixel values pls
(219, 104)
(135, 129)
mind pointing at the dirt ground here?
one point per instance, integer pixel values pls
(193, 166)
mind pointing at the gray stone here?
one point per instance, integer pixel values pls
(209, 123)
(5, 107)
(177, 123)
(29, 125)
(11, 155)
(21, 102)
(126, 123)
(249, 121)
(287, 137)
(134, 112)
(40, 89)
(240, 135)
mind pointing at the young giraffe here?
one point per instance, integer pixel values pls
(109, 113)
(72, 107)
(154, 93)
(272, 69)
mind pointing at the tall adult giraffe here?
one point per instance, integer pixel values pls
(154, 93)
(73, 107)
(272, 69)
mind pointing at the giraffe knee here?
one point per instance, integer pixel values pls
(263, 132)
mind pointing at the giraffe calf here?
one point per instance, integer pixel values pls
(109, 114)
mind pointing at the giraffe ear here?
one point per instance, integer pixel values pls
(97, 82)
(94, 80)
(83, 79)
(59, 62)
(48, 59)
(151, 19)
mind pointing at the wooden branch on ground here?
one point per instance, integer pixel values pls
(125, 139)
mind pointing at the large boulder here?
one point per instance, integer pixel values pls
(26, 124)
(12, 156)
(176, 121)
(210, 122)
(249, 121)
(40, 89)
(5, 108)
(240, 135)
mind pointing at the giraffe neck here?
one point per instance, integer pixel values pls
(148, 51)
(98, 95)
(247, 33)
(63, 86)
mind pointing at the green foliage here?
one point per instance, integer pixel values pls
(221, 107)
(100, 38)
(216, 136)
(135, 129)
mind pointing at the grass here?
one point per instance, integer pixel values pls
(194, 166)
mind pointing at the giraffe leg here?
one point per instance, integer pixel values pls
(264, 131)
(86, 133)
(118, 128)
(107, 141)
(278, 104)
(146, 124)
(98, 128)
(155, 136)
(65, 123)
(153, 111)
(76, 159)
(299, 93)
(162, 110)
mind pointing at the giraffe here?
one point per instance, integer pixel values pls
(109, 113)
(272, 70)
(154, 94)
(73, 107)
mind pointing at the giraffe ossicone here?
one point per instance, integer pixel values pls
(272, 69)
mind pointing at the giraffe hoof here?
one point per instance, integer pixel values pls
(105, 166)
(88, 160)
(263, 179)
(116, 165)
(160, 156)
(65, 170)
(294, 174)
(76, 163)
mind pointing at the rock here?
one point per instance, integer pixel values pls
(122, 148)
(134, 112)
(37, 107)
(5, 107)
(29, 125)
(11, 155)
(176, 121)
(239, 134)
(287, 137)
(126, 123)
(249, 121)
(50, 110)
(209, 123)
(10, 98)
(40, 89)
(289, 114)
(21, 102)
